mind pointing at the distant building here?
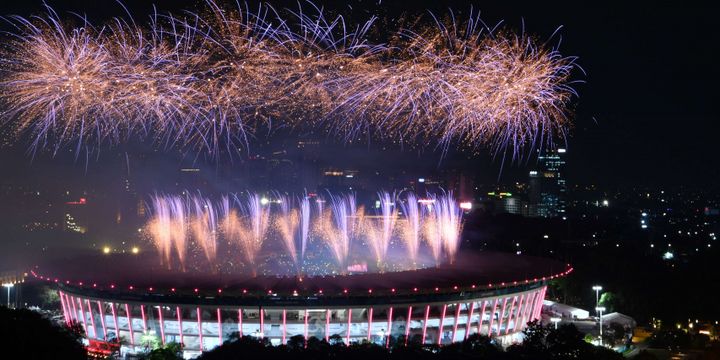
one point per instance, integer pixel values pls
(506, 202)
(547, 187)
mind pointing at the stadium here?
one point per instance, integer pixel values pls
(489, 293)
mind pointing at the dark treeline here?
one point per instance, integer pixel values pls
(30, 335)
(541, 343)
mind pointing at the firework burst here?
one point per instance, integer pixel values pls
(209, 81)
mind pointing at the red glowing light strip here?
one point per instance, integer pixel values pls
(62, 304)
(427, 314)
(115, 320)
(180, 327)
(518, 316)
(144, 319)
(92, 318)
(84, 319)
(348, 325)
(199, 323)
(102, 320)
(162, 325)
(537, 305)
(306, 326)
(130, 324)
(370, 315)
(510, 314)
(75, 313)
(72, 314)
(528, 307)
(540, 303)
(457, 319)
(66, 313)
(534, 305)
(284, 326)
(240, 322)
(468, 326)
(220, 329)
(389, 330)
(492, 316)
(407, 326)
(440, 327)
(501, 317)
(482, 314)
(327, 325)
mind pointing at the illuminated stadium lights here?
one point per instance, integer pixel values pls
(294, 309)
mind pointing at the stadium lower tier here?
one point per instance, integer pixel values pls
(201, 326)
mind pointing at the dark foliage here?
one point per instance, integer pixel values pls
(541, 343)
(28, 333)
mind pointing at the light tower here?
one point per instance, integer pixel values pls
(600, 310)
(8, 286)
(597, 289)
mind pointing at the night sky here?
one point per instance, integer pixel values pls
(645, 114)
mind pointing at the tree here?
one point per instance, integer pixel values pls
(150, 341)
(171, 351)
(296, 342)
(611, 301)
(32, 336)
(49, 298)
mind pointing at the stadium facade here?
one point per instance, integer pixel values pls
(430, 306)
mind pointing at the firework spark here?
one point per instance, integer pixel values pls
(243, 223)
(204, 226)
(287, 223)
(209, 82)
(411, 228)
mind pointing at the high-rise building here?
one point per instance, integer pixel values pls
(547, 187)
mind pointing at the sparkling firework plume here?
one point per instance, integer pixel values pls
(243, 222)
(287, 223)
(411, 228)
(304, 225)
(209, 81)
(204, 226)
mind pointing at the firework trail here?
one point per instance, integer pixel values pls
(411, 228)
(379, 239)
(304, 225)
(344, 224)
(287, 223)
(433, 234)
(450, 224)
(258, 217)
(208, 81)
(168, 227)
(204, 226)
(231, 224)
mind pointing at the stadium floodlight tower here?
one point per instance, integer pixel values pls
(600, 310)
(8, 286)
(597, 289)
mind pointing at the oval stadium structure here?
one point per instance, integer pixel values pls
(490, 293)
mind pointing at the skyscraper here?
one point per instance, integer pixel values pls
(547, 185)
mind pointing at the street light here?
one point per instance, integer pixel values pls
(600, 310)
(555, 320)
(8, 286)
(597, 289)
